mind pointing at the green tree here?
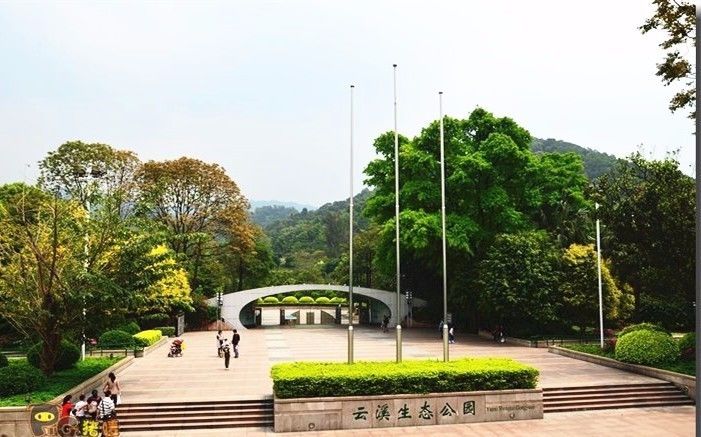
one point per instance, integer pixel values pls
(203, 211)
(579, 288)
(518, 282)
(678, 20)
(495, 184)
(648, 229)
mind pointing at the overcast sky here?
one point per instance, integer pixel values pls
(262, 87)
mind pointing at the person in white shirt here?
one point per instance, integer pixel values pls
(80, 408)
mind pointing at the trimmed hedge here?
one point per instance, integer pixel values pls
(323, 379)
(168, 331)
(271, 299)
(306, 299)
(131, 328)
(642, 327)
(687, 346)
(20, 378)
(147, 338)
(3, 361)
(116, 339)
(649, 348)
(323, 300)
(68, 355)
(338, 300)
(290, 299)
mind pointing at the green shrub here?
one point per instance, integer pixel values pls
(131, 328)
(116, 340)
(20, 378)
(150, 321)
(306, 299)
(649, 348)
(259, 301)
(338, 300)
(271, 300)
(290, 300)
(310, 379)
(147, 338)
(3, 361)
(168, 331)
(687, 346)
(323, 300)
(642, 327)
(68, 355)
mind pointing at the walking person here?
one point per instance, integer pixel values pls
(235, 341)
(66, 406)
(227, 353)
(112, 385)
(220, 341)
(451, 334)
(93, 402)
(440, 329)
(106, 408)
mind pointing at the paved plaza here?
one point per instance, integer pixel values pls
(200, 375)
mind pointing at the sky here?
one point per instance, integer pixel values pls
(262, 87)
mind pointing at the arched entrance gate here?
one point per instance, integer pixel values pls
(235, 302)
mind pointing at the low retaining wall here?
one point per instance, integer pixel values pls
(358, 412)
(125, 352)
(14, 421)
(685, 382)
(530, 343)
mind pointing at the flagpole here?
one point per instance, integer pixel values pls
(396, 196)
(446, 348)
(350, 224)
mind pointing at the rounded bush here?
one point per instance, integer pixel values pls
(68, 355)
(687, 345)
(649, 348)
(338, 300)
(131, 328)
(147, 338)
(271, 299)
(323, 300)
(167, 331)
(642, 327)
(116, 339)
(21, 378)
(259, 301)
(3, 361)
(290, 299)
(306, 299)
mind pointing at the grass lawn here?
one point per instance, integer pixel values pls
(60, 382)
(687, 367)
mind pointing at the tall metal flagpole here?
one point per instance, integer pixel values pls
(350, 233)
(396, 194)
(598, 266)
(446, 348)
(350, 224)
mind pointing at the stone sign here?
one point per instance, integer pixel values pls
(361, 412)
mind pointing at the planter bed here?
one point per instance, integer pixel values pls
(325, 396)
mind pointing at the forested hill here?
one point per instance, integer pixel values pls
(595, 163)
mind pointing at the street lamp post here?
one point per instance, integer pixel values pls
(598, 267)
(396, 198)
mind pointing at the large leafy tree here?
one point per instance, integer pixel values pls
(677, 19)
(648, 224)
(518, 282)
(203, 211)
(495, 184)
(579, 288)
(46, 276)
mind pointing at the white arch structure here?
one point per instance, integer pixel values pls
(234, 302)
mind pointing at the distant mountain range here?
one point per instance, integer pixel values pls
(298, 206)
(266, 212)
(595, 163)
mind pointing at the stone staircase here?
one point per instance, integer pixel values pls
(601, 397)
(195, 415)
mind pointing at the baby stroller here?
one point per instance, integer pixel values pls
(176, 348)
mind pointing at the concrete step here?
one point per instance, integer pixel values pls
(177, 414)
(184, 408)
(561, 399)
(617, 405)
(189, 419)
(194, 425)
